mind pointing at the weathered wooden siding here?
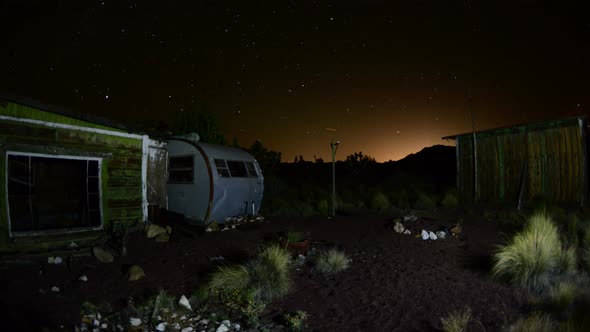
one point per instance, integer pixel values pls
(551, 156)
(121, 171)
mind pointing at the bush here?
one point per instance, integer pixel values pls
(534, 323)
(230, 277)
(401, 199)
(425, 202)
(457, 321)
(332, 261)
(379, 202)
(450, 200)
(534, 257)
(295, 321)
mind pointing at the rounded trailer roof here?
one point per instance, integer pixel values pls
(225, 152)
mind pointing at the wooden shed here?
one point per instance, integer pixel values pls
(69, 178)
(522, 161)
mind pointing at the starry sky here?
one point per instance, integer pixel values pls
(387, 78)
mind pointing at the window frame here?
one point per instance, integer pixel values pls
(170, 169)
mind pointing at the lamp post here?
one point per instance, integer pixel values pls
(334, 147)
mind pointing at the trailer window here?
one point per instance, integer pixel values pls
(180, 170)
(251, 169)
(237, 169)
(222, 169)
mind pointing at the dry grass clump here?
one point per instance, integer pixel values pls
(380, 202)
(563, 293)
(450, 200)
(535, 256)
(332, 261)
(457, 321)
(267, 276)
(535, 323)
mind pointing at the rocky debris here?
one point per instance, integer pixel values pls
(187, 329)
(55, 289)
(441, 234)
(135, 273)
(456, 229)
(185, 303)
(83, 278)
(224, 326)
(407, 232)
(237, 327)
(161, 327)
(102, 255)
(54, 260)
(153, 230)
(134, 321)
(432, 236)
(398, 227)
(425, 235)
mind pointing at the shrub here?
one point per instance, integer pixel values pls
(379, 202)
(401, 199)
(296, 321)
(269, 273)
(535, 323)
(563, 293)
(425, 202)
(450, 200)
(457, 321)
(230, 277)
(534, 256)
(332, 261)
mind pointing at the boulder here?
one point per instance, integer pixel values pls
(102, 255)
(154, 230)
(398, 227)
(135, 273)
(185, 303)
(425, 235)
(224, 326)
(432, 236)
(161, 327)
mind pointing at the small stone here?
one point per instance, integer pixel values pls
(407, 232)
(441, 234)
(161, 327)
(120, 328)
(57, 260)
(223, 327)
(154, 230)
(425, 235)
(177, 326)
(187, 329)
(204, 321)
(50, 260)
(104, 326)
(183, 317)
(55, 289)
(398, 227)
(208, 230)
(237, 327)
(83, 278)
(456, 230)
(73, 245)
(136, 273)
(432, 235)
(410, 217)
(102, 255)
(134, 321)
(185, 303)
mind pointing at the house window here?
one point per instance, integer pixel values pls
(48, 192)
(181, 170)
(251, 169)
(237, 169)
(222, 168)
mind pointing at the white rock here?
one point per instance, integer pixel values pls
(204, 321)
(222, 327)
(237, 327)
(425, 235)
(57, 260)
(182, 317)
(104, 326)
(55, 289)
(73, 245)
(184, 302)
(432, 236)
(96, 329)
(120, 328)
(441, 234)
(177, 326)
(410, 217)
(134, 321)
(398, 227)
(187, 329)
(209, 230)
(407, 232)
(83, 278)
(50, 260)
(161, 327)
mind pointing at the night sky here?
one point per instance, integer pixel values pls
(391, 77)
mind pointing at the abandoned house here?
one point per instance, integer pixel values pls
(517, 163)
(208, 182)
(69, 178)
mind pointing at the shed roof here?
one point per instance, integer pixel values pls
(523, 127)
(29, 102)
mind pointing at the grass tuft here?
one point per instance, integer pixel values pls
(534, 256)
(450, 200)
(332, 261)
(535, 323)
(379, 202)
(457, 321)
(563, 293)
(230, 277)
(269, 273)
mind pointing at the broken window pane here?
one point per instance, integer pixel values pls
(181, 170)
(237, 168)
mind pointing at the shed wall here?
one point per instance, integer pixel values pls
(552, 160)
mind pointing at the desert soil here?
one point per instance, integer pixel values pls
(395, 282)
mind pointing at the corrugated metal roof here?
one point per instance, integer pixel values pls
(523, 127)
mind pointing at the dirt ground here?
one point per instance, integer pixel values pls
(395, 282)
